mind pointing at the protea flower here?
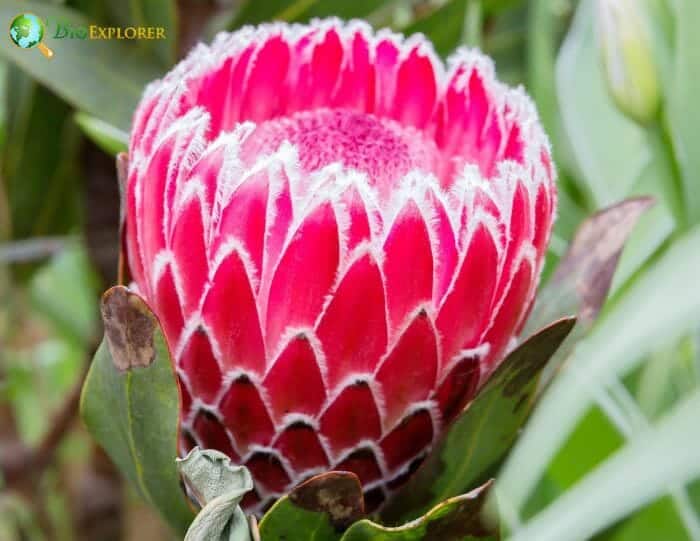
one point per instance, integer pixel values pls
(340, 237)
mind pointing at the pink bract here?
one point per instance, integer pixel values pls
(341, 238)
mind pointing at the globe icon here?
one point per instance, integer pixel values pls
(27, 31)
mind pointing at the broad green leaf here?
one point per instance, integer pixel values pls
(594, 440)
(598, 435)
(480, 436)
(130, 403)
(672, 372)
(39, 160)
(254, 12)
(153, 13)
(495, 7)
(319, 509)
(660, 305)
(457, 519)
(609, 150)
(218, 486)
(109, 138)
(694, 495)
(659, 520)
(683, 105)
(624, 483)
(103, 77)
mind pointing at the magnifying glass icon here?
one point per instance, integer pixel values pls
(27, 31)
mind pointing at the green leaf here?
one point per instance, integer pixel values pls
(624, 483)
(218, 486)
(130, 403)
(541, 51)
(660, 305)
(84, 73)
(683, 106)
(254, 12)
(652, 230)
(600, 433)
(609, 150)
(65, 293)
(482, 434)
(39, 160)
(320, 509)
(659, 520)
(594, 440)
(444, 26)
(109, 138)
(694, 495)
(546, 26)
(457, 519)
(155, 13)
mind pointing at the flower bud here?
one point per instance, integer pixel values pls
(625, 40)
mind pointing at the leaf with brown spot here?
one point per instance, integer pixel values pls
(320, 509)
(129, 326)
(582, 280)
(480, 437)
(457, 519)
(338, 494)
(130, 404)
(589, 264)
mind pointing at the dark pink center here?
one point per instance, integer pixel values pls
(379, 147)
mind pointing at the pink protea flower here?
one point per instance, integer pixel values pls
(340, 237)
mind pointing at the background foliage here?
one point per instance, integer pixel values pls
(612, 452)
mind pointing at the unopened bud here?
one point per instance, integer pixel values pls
(625, 41)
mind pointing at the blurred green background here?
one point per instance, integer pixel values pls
(618, 93)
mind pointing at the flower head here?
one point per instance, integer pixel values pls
(341, 238)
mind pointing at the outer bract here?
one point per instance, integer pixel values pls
(341, 238)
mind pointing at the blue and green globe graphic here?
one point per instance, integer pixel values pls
(26, 30)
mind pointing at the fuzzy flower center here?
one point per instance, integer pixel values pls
(379, 147)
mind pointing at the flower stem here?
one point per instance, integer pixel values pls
(473, 19)
(672, 183)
